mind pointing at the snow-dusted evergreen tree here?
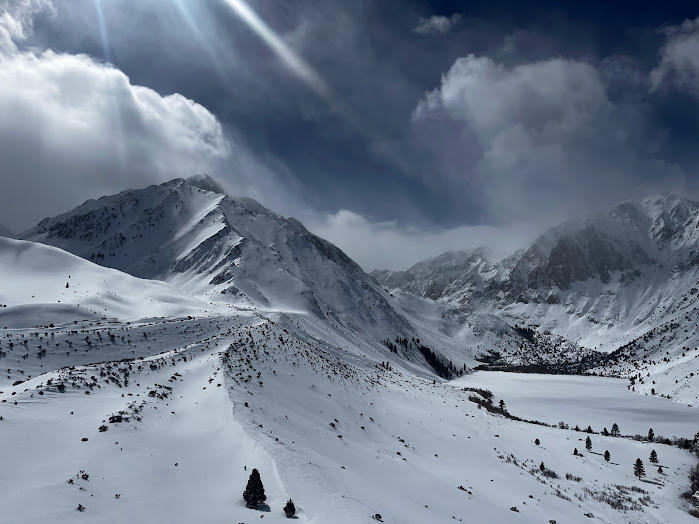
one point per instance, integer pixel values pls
(290, 509)
(254, 493)
(653, 457)
(638, 468)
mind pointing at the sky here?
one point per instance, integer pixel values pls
(397, 129)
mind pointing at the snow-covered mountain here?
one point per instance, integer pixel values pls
(627, 267)
(132, 399)
(191, 235)
(623, 278)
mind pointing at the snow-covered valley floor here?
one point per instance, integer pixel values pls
(586, 400)
(205, 400)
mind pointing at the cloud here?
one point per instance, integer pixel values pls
(394, 245)
(540, 137)
(679, 59)
(16, 21)
(74, 128)
(437, 24)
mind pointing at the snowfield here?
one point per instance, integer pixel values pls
(342, 436)
(43, 284)
(595, 401)
(126, 399)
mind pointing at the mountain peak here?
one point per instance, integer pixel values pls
(207, 183)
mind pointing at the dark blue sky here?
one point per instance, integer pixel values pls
(536, 110)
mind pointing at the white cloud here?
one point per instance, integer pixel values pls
(492, 97)
(679, 58)
(16, 20)
(437, 24)
(391, 245)
(546, 137)
(73, 126)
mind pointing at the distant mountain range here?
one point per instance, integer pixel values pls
(590, 280)
(583, 289)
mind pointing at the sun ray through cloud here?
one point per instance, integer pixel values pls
(295, 63)
(103, 31)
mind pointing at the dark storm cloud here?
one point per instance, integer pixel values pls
(541, 111)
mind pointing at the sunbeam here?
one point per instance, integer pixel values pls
(103, 31)
(216, 58)
(294, 62)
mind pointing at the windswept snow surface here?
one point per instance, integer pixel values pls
(42, 284)
(330, 428)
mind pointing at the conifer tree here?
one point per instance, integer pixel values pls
(651, 434)
(615, 430)
(607, 456)
(638, 469)
(588, 443)
(653, 457)
(254, 493)
(290, 509)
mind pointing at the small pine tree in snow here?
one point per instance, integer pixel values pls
(615, 430)
(290, 509)
(575, 452)
(651, 434)
(501, 405)
(537, 442)
(607, 456)
(254, 493)
(542, 467)
(588, 443)
(638, 469)
(653, 457)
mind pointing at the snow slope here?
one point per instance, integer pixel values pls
(42, 285)
(341, 435)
